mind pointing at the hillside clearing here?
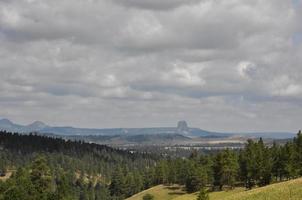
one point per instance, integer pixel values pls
(7, 175)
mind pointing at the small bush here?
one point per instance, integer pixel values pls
(148, 197)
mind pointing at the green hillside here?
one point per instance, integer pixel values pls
(161, 192)
(289, 190)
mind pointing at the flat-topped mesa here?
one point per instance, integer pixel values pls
(182, 126)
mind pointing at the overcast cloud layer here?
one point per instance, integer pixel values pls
(232, 65)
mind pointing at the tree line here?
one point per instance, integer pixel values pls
(255, 165)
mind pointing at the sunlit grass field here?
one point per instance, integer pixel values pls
(289, 190)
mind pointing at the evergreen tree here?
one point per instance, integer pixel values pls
(117, 186)
(130, 186)
(277, 165)
(225, 169)
(161, 172)
(2, 168)
(249, 162)
(16, 193)
(101, 192)
(288, 154)
(196, 177)
(203, 194)
(138, 184)
(41, 178)
(206, 162)
(297, 144)
(264, 162)
(149, 178)
(63, 190)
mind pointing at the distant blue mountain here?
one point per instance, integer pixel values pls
(181, 129)
(41, 127)
(6, 124)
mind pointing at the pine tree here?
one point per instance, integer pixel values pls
(130, 186)
(225, 169)
(117, 186)
(41, 178)
(101, 192)
(264, 162)
(2, 168)
(161, 172)
(63, 190)
(196, 177)
(203, 194)
(298, 153)
(148, 178)
(250, 158)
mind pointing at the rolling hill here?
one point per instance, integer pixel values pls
(289, 190)
(158, 139)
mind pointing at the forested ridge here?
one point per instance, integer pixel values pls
(75, 170)
(78, 170)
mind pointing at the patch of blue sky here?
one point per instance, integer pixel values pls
(297, 38)
(296, 2)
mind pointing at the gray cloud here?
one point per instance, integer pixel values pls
(222, 65)
(156, 4)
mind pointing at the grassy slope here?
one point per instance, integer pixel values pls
(160, 192)
(290, 190)
(213, 195)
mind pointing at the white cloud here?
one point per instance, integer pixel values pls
(246, 69)
(184, 75)
(9, 17)
(284, 86)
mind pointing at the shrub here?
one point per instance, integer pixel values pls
(148, 197)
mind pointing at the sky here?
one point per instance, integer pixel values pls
(232, 65)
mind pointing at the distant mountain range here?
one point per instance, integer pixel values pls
(182, 130)
(41, 127)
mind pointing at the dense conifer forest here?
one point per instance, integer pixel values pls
(68, 169)
(51, 168)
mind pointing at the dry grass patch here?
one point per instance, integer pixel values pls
(7, 175)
